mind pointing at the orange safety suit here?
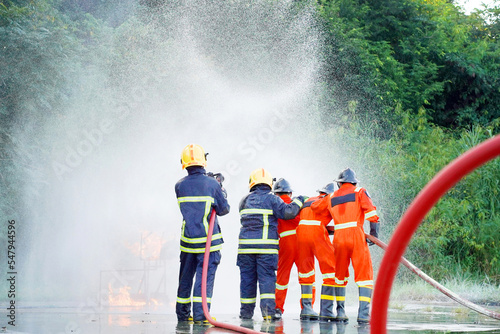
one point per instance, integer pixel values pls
(349, 207)
(313, 241)
(287, 256)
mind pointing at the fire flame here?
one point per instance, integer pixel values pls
(150, 246)
(122, 297)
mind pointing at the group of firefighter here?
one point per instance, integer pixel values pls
(277, 231)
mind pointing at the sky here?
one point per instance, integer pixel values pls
(470, 5)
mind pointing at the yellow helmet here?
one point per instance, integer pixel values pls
(260, 176)
(193, 155)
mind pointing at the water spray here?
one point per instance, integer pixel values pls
(434, 283)
(204, 286)
(414, 215)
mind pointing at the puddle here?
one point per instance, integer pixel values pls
(407, 318)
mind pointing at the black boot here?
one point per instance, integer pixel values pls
(327, 298)
(340, 297)
(365, 297)
(307, 312)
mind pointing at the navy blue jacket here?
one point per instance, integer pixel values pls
(196, 194)
(259, 213)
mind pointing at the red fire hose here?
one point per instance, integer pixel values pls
(204, 285)
(414, 215)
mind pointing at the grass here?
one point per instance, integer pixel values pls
(478, 292)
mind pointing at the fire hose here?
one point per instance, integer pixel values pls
(415, 214)
(435, 284)
(204, 285)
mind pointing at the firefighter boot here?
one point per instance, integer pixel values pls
(307, 312)
(365, 296)
(340, 297)
(327, 298)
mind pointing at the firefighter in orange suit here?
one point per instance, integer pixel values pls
(288, 252)
(313, 241)
(349, 207)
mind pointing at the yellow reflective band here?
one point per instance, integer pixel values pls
(259, 241)
(265, 231)
(287, 233)
(248, 300)
(200, 250)
(365, 299)
(329, 275)
(199, 300)
(200, 240)
(184, 300)
(310, 222)
(257, 251)
(370, 214)
(327, 297)
(256, 212)
(195, 199)
(345, 225)
(365, 284)
(357, 189)
(305, 275)
(267, 296)
(281, 287)
(340, 298)
(299, 203)
(306, 295)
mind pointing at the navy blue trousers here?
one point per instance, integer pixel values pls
(261, 269)
(191, 266)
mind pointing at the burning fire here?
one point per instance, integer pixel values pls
(122, 297)
(149, 248)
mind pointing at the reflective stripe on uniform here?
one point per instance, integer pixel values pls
(287, 233)
(281, 287)
(248, 300)
(199, 300)
(341, 282)
(265, 218)
(370, 214)
(365, 284)
(200, 250)
(340, 298)
(257, 251)
(267, 296)
(328, 275)
(259, 241)
(309, 222)
(306, 295)
(357, 189)
(299, 203)
(364, 299)
(256, 212)
(305, 275)
(184, 300)
(345, 225)
(200, 240)
(208, 205)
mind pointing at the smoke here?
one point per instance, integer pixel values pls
(239, 78)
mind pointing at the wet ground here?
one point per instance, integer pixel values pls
(407, 318)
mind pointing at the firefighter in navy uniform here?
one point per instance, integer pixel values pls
(259, 243)
(197, 194)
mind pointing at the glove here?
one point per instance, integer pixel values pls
(374, 229)
(373, 232)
